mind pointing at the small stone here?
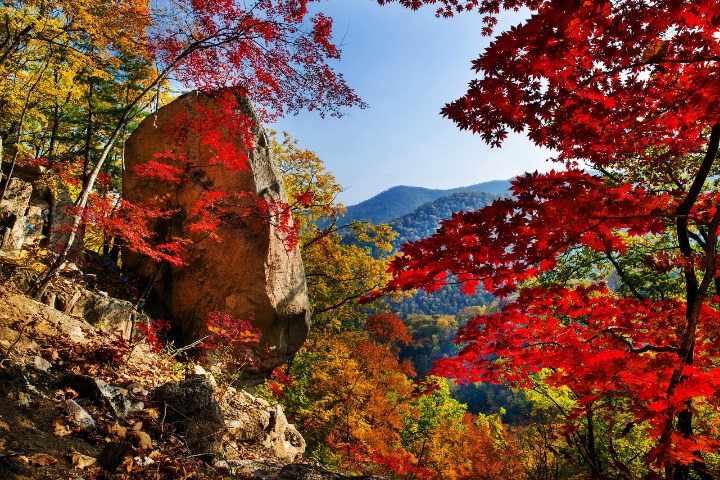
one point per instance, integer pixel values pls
(137, 389)
(78, 415)
(41, 364)
(140, 439)
(199, 370)
(234, 425)
(24, 399)
(119, 404)
(74, 332)
(222, 466)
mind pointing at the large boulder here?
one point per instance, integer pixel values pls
(192, 407)
(249, 271)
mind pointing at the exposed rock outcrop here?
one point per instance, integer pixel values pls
(34, 209)
(230, 423)
(12, 215)
(252, 424)
(250, 270)
(118, 425)
(97, 308)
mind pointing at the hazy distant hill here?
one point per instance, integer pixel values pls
(398, 201)
(424, 220)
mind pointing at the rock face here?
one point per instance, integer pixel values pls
(250, 269)
(35, 206)
(12, 213)
(231, 423)
(252, 424)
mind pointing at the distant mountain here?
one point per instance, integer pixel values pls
(398, 201)
(424, 220)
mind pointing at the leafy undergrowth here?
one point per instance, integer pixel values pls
(39, 440)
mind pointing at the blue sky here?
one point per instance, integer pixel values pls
(406, 65)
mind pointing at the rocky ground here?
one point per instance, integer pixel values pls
(77, 402)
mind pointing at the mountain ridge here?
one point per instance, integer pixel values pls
(402, 199)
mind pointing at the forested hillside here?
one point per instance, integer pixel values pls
(398, 201)
(424, 220)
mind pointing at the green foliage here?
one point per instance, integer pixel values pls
(448, 300)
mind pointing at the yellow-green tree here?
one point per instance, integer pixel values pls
(341, 261)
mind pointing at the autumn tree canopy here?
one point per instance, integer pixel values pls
(629, 89)
(90, 71)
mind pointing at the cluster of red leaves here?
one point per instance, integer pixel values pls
(228, 134)
(602, 348)
(279, 214)
(131, 223)
(161, 170)
(151, 330)
(221, 129)
(279, 379)
(273, 50)
(387, 329)
(232, 340)
(630, 85)
(516, 239)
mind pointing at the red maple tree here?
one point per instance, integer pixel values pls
(630, 89)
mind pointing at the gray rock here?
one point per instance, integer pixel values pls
(283, 438)
(107, 313)
(192, 407)
(37, 218)
(36, 205)
(114, 398)
(78, 415)
(250, 270)
(260, 426)
(12, 217)
(41, 364)
(199, 370)
(60, 220)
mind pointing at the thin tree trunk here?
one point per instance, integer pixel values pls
(88, 137)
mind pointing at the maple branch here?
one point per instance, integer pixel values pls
(624, 276)
(347, 299)
(644, 349)
(695, 292)
(697, 238)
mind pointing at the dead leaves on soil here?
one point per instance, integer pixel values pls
(60, 429)
(79, 460)
(39, 460)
